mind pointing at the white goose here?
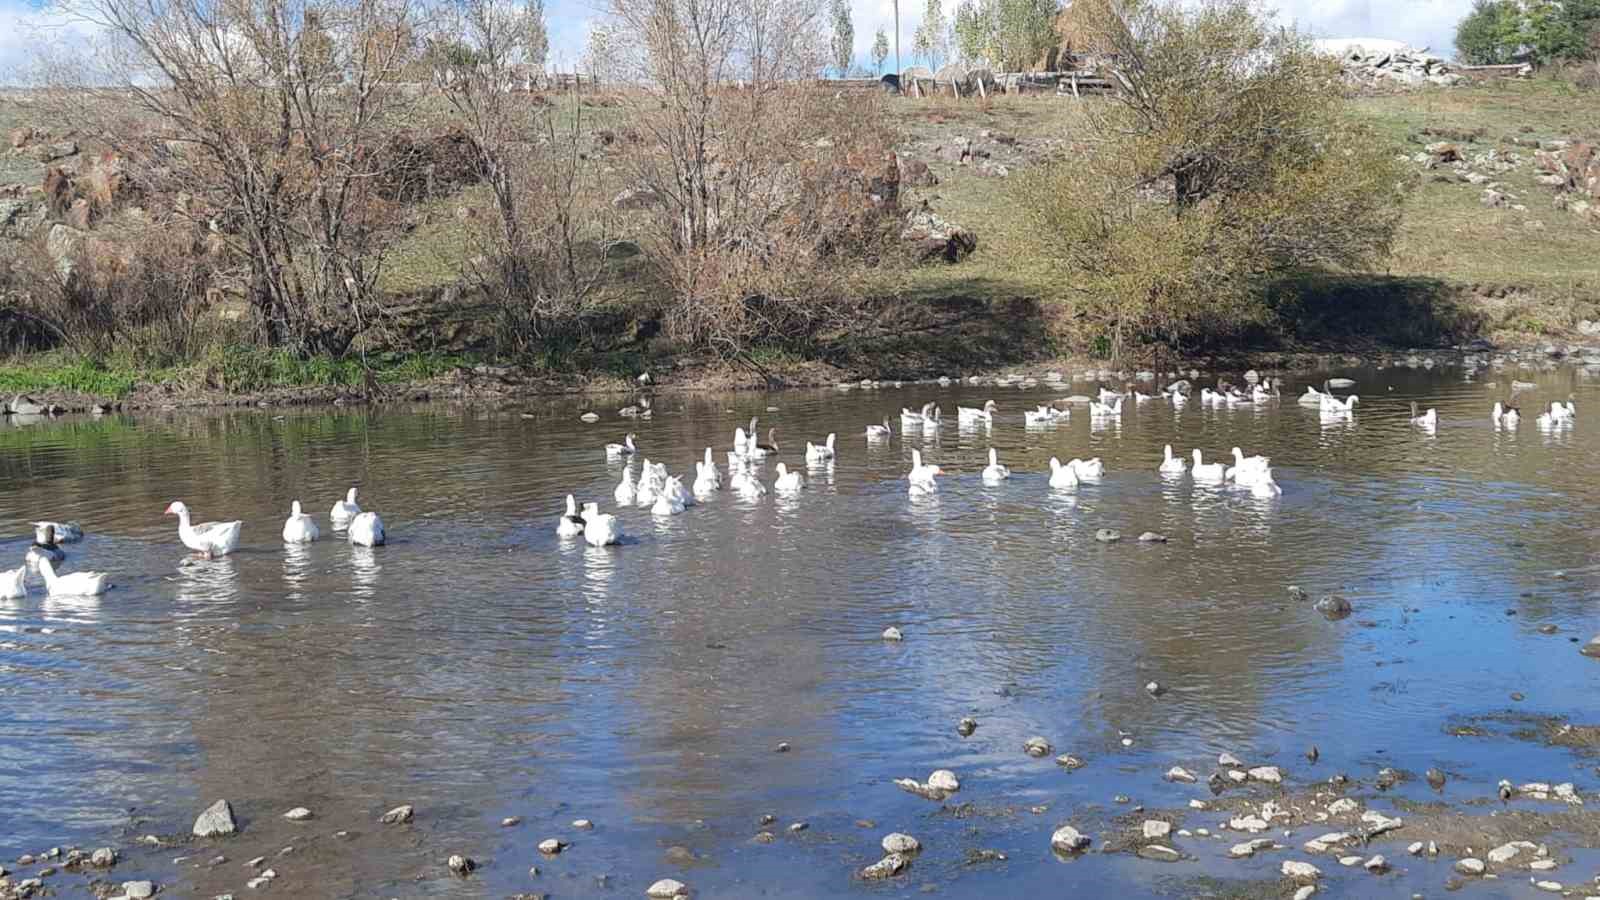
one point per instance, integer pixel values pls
(673, 489)
(1559, 414)
(1107, 396)
(909, 418)
(931, 423)
(923, 478)
(966, 415)
(1312, 396)
(1107, 410)
(1044, 415)
(571, 524)
(600, 529)
(995, 473)
(741, 444)
(820, 453)
(1262, 485)
(746, 484)
(299, 528)
(66, 532)
(344, 510)
(77, 584)
(1204, 471)
(1088, 469)
(626, 448)
(211, 539)
(788, 483)
(44, 545)
(366, 530)
(1505, 417)
(1426, 420)
(762, 451)
(1333, 406)
(1246, 466)
(1140, 397)
(706, 479)
(668, 502)
(1062, 477)
(879, 432)
(709, 470)
(14, 583)
(627, 491)
(651, 481)
(1171, 465)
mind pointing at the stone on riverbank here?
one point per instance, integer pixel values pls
(1267, 774)
(398, 816)
(1300, 871)
(138, 890)
(1069, 840)
(1155, 829)
(298, 814)
(1159, 853)
(215, 821)
(1470, 866)
(666, 889)
(104, 858)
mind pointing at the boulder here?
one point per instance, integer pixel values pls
(20, 137)
(21, 219)
(217, 820)
(46, 153)
(934, 238)
(63, 244)
(1069, 840)
(915, 173)
(636, 198)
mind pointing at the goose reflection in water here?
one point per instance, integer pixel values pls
(205, 583)
(364, 571)
(296, 568)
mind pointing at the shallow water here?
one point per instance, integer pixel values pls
(479, 667)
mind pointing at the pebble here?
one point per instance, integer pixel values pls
(1181, 775)
(1268, 774)
(1155, 829)
(797, 827)
(256, 863)
(398, 815)
(510, 821)
(138, 890)
(1228, 760)
(1154, 689)
(900, 843)
(1415, 849)
(1069, 762)
(217, 820)
(1305, 892)
(893, 634)
(582, 824)
(1108, 535)
(1470, 866)
(1151, 537)
(1553, 887)
(1343, 806)
(1376, 865)
(461, 865)
(1068, 839)
(888, 867)
(550, 846)
(1159, 853)
(589, 417)
(103, 857)
(1348, 861)
(966, 726)
(944, 780)
(666, 889)
(1299, 871)
(298, 814)
(1035, 746)
(1250, 848)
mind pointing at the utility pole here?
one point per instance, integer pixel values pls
(897, 68)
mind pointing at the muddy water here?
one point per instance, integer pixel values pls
(480, 668)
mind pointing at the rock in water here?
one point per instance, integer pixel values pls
(1159, 853)
(1592, 649)
(215, 821)
(398, 815)
(966, 726)
(1470, 866)
(1035, 746)
(137, 890)
(461, 865)
(666, 889)
(104, 858)
(888, 867)
(1180, 775)
(1334, 606)
(1300, 871)
(944, 780)
(892, 634)
(1435, 779)
(549, 846)
(1155, 829)
(1108, 535)
(902, 844)
(1151, 537)
(1069, 840)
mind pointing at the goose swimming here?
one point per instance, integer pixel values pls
(1108, 410)
(1505, 417)
(1334, 406)
(344, 510)
(788, 482)
(1204, 471)
(626, 448)
(1088, 469)
(995, 473)
(1313, 397)
(818, 453)
(299, 528)
(1427, 419)
(1063, 477)
(600, 529)
(746, 484)
(44, 546)
(762, 451)
(66, 532)
(966, 415)
(1044, 415)
(626, 491)
(910, 418)
(571, 524)
(879, 432)
(77, 584)
(14, 583)
(211, 539)
(668, 501)
(923, 477)
(366, 530)
(1171, 465)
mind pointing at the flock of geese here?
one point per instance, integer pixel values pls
(664, 494)
(207, 539)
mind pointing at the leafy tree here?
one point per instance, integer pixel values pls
(974, 31)
(537, 47)
(1010, 34)
(1225, 162)
(1544, 31)
(1491, 34)
(880, 50)
(931, 40)
(844, 36)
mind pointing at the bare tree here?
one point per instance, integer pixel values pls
(271, 116)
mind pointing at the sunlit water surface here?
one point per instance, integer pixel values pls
(479, 667)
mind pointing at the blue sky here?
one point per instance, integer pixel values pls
(1420, 22)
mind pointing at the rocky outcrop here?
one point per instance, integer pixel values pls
(933, 238)
(1403, 66)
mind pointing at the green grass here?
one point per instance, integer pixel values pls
(62, 372)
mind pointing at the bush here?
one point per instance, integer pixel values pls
(1544, 31)
(1224, 160)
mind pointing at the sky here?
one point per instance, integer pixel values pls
(1431, 23)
